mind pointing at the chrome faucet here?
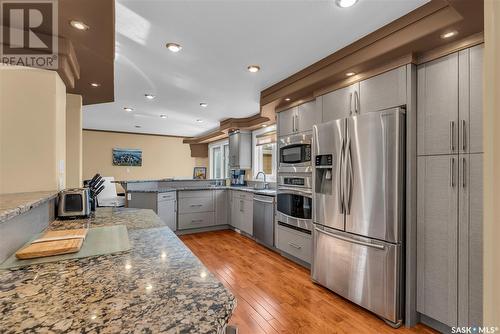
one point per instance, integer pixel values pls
(266, 185)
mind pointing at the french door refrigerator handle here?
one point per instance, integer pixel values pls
(348, 177)
(354, 241)
(340, 190)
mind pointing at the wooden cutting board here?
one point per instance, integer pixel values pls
(54, 243)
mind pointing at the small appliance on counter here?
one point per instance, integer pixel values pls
(74, 203)
(238, 177)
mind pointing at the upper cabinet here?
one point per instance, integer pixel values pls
(476, 99)
(383, 91)
(240, 150)
(298, 119)
(437, 109)
(340, 103)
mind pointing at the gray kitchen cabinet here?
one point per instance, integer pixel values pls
(286, 121)
(386, 90)
(167, 209)
(240, 150)
(196, 209)
(235, 210)
(437, 107)
(339, 103)
(471, 100)
(246, 223)
(470, 278)
(222, 207)
(295, 243)
(298, 119)
(437, 237)
(307, 116)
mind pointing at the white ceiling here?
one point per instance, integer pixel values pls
(220, 39)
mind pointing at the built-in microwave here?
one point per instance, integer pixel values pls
(295, 153)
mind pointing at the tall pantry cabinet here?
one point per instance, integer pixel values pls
(449, 187)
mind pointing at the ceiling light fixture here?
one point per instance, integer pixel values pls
(263, 125)
(449, 34)
(78, 25)
(203, 104)
(95, 84)
(163, 116)
(174, 47)
(253, 68)
(349, 74)
(199, 121)
(346, 3)
(128, 109)
(287, 99)
(149, 96)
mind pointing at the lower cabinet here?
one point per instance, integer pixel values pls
(242, 211)
(449, 238)
(222, 207)
(196, 209)
(293, 242)
(167, 209)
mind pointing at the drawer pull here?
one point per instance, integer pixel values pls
(295, 245)
(196, 205)
(197, 221)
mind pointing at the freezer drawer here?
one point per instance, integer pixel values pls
(362, 270)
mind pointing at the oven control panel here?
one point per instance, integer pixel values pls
(324, 160)
(294, 181)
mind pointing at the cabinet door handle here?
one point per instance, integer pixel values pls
(350, 104)
(464, 136)
(295, 245)
(452, 136)
(452, 172)
(356, 102)
(464, 175)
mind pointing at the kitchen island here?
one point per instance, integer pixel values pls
(157, 286)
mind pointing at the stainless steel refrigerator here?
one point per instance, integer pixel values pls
(359, 210)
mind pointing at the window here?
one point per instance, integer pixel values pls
(265, 152)
(219, 159)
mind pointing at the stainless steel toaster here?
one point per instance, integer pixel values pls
(74, 203)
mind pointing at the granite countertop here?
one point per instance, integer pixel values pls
(158, 286)
(269, 192)
(12, 205)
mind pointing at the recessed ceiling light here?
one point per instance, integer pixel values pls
(95, 84)
(199, 121)
(78, 25)
(128, 109)
(203, 104)
(253, 68)
(163, 116)
(149, 96)
(346, 3)
(449, 34)
(287, 99)
(174, 47)
(263, 125)
(138, 126)
(350, 74)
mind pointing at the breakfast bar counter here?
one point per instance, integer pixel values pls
(157, 286)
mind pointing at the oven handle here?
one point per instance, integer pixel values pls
(292, 217)
(288, 190)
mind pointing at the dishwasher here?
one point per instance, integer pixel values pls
(263, 219)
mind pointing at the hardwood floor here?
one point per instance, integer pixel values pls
(276, 295)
